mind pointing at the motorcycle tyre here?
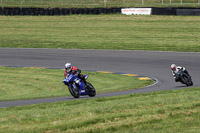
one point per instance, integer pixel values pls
(191, 83)
(92, 91)
(186, 81)
(74, 93)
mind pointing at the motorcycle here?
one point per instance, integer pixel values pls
(78, 87)
(184, 78)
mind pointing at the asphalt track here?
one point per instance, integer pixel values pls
(148, 63)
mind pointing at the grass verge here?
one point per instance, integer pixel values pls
(99, 3)
(26, 83)
(166, 111)
(157, 33)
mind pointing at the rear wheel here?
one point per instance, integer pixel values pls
(187, 81)
(74, 90)
(191, 84)
(92, 91)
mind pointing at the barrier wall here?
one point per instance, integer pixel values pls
(68, 11)
(164, 11)
(57, 11)
(188, 12)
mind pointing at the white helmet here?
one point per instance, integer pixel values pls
(173, 67)
(68, 67)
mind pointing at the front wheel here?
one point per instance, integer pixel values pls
(74, 90)
(92, 91)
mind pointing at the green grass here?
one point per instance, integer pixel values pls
(166, 111)
(98, 3)
(26, 83)
(159, 33)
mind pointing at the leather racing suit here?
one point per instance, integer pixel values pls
(177, 69)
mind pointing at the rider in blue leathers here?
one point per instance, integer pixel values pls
(75, 71)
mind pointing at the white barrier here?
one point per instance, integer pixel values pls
(136, 11)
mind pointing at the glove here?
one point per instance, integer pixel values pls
(64, 80)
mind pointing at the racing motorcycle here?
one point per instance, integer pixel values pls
(184, 78)
(78, 87)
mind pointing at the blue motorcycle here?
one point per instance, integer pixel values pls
(184, 78)
(78, 87)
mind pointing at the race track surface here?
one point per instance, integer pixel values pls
(148, 63)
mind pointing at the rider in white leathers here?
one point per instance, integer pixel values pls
(175, 69)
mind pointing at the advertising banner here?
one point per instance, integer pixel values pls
(136, 11)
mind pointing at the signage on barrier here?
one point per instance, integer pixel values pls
(136, 11)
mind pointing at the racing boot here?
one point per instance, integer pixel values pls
(85, 77)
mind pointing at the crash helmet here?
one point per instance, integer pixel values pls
(68, 67)
(173, 67)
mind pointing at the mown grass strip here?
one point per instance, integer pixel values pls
(98, 3)
(157, 33)
(31, 83)
(166, 111)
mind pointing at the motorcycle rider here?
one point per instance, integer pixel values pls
(75, 71)
(175, 69)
